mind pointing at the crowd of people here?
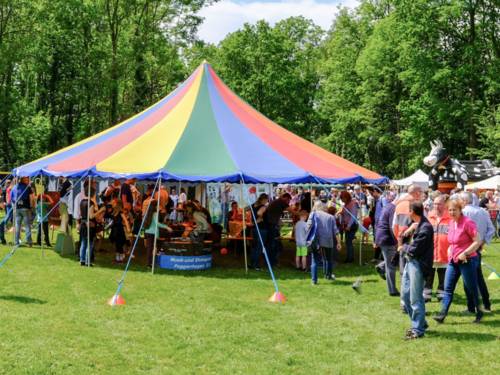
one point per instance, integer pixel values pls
(420, 234)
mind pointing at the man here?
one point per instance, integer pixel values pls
(272, 218)
(384, 238)
(362, 200)
(23, 198)
(485, 230)
(440, 220)
(375, 212)
(402, 220)
(327, 242)
(418, 255)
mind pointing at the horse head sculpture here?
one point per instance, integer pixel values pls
(444, 168)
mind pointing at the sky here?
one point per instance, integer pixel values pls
(227, 16)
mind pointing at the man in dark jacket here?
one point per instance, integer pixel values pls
(384, 238)
(419, 256)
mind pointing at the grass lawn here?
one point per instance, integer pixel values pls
(55, 320)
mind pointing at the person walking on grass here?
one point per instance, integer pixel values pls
(385, 239)
(486, 231)
(418, 255)
(323, 237)
(462, 260)
(440, 221)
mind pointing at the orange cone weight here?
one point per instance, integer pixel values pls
(117, 299)
(277, 297)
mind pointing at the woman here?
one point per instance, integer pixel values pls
(258, 209)
(463, 242)
(349, 224)
(119, 230)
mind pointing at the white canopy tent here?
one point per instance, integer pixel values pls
(419, 178)
(488, 184)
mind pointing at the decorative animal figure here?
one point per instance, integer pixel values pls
(444, 167)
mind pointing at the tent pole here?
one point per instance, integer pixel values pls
(244, 228)
(156, 229)
(87, 254)
(42, 232)
(14, 206)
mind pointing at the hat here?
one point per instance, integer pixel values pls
(357, 187)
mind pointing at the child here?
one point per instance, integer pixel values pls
(300, 240)
(152, 225)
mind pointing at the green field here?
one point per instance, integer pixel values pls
(55, 320)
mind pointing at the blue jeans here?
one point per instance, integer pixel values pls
(6, 219)
(349, 237)
(83, 249)
(469, 273)
(482, 287)
(23, 215)
(257, 245)
(327, 256)
(412, 289)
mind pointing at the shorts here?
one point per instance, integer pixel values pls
(301, 251)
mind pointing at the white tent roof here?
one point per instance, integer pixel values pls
(419, 178)
(490, 183)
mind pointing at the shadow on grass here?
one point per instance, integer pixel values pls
(232, 267)
(463, 336)
(23, 299)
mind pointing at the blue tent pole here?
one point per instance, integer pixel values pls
(122, 279)
(264, 251)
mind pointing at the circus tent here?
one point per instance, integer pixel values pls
(201, 132)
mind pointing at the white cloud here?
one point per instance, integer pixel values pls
(227, 16)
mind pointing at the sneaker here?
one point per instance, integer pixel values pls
(467, 312)
(314, 282)
(258, 269)
(395, 294)
(412, 335)
(479, 317)
(380, 272)
(486, 311)
(439, 317)
(82, 264)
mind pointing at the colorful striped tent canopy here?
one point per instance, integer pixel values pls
(201, 132)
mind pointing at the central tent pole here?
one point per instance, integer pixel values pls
(244, 227)
(156, 229)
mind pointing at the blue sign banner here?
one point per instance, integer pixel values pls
(185, 263)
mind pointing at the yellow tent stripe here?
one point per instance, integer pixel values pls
(151, 151)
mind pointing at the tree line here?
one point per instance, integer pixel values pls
(383, 81)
